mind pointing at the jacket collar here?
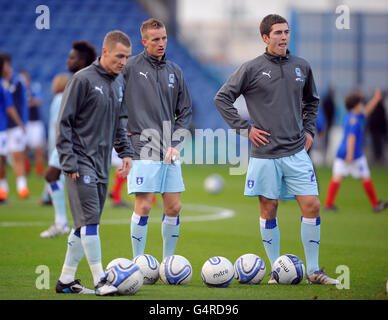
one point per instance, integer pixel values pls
(276, 59)
(153, 61)
(101, 70)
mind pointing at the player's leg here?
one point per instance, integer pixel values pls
(85, 203)
(263, 180)
(170, 222)
(16, 141)
(340, 170)
(36, 141)
(171, 187)
(57, 189)
(269, 229)
(75, 250)
(361, 170)
(19, 170)
(74, 254)
(4, 188)
(118, 182)
(93, 246)
(310, 230)
(332, 190)
(299, 180)
(139, 222)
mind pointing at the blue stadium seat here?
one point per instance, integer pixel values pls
(44, 52)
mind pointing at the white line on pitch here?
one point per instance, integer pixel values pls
(213, 213)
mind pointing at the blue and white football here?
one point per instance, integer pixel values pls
(124, 275)
(217, 272)
(149, 266)
(175, 270)
(288, 269)
(249, 269)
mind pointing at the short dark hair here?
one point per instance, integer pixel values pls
(268, 21)
(86, 51)
(116, 36)
(150, 24)
(353, 99)
(5, 56)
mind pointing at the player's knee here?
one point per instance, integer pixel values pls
(143, 208)
(173, 208)
(268, 208)
(315, 206)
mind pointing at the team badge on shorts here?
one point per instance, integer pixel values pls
(139, 180)
(250, 184)
(87, 179)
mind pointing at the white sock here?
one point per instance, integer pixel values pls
(4, 184)
(92, 246)
(74, 254)
(21, 183)
(170, 234)
(139, 227)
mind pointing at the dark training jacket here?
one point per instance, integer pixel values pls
(281, 99)
(155, 93)
(91, 121)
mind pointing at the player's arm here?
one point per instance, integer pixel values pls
(72, 99)
(122, 143)
(227, 95)
(371, 105)
(12, 111)
(350, 146)
(310, 102)
(183, 116)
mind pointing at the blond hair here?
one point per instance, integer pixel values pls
(150, 24)
(59, 82)
(115, 36)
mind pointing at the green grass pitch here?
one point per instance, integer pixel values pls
(355, 237)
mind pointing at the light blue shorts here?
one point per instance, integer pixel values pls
(54, 159)
(155, 176)
(285, 177)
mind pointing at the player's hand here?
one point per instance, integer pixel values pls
(377, 95)
(172, 155)
(125, 168)
(309, 141)
(258, 136)
(73, 175)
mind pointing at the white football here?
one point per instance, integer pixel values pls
(214, 183)
(249, 268)
(217, 272)
(288, 269)
(175, 270)
(124, 275)
(149, 266)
